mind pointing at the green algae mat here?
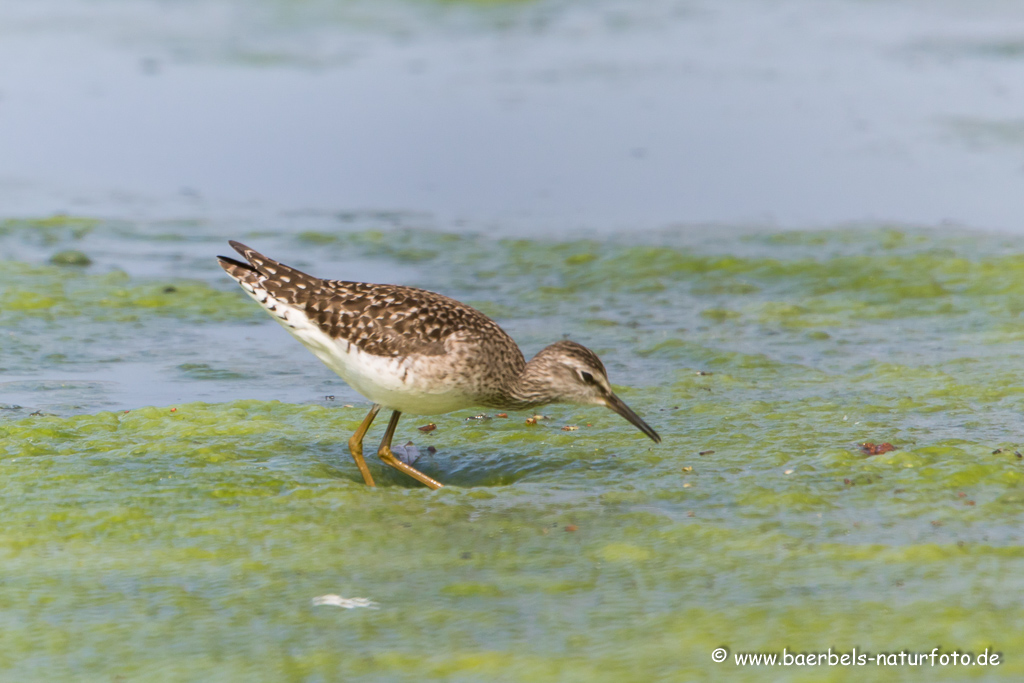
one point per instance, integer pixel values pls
(843, 423)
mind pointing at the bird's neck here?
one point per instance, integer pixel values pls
(530, 387)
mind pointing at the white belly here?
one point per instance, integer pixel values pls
(396, 383)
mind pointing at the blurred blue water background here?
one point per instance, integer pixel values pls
(517, 117)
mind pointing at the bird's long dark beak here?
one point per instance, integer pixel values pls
(615, 403)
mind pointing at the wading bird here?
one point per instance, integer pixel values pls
(414, 351)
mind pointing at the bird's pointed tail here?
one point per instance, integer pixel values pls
(260, 272)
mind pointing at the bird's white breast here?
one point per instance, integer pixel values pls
(403, 384)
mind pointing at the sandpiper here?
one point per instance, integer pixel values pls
(415, 351)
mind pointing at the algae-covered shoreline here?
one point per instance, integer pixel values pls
(188, 539)
(759, 214)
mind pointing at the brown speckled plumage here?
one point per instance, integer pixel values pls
(384, 320)
(391, 321)
(412, 350)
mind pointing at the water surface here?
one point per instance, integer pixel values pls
(518, 116)
(176, 488)
(189, 538)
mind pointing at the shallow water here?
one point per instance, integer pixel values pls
(176, 487)
(517, 116)
(188, 539)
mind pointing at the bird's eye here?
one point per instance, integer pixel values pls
(587, 378)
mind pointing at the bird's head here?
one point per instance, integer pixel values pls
(568, 372)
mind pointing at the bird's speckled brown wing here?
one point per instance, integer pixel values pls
(383, 320)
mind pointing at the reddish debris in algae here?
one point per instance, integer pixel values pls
(429, 427)
(502, 415)
(572, 527)
(876, 449)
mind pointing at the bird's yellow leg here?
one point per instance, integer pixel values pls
(385, 454)
(355, 444)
